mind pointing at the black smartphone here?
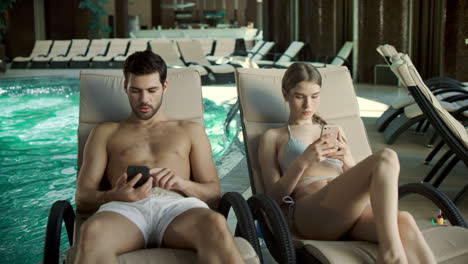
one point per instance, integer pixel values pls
(133, 170)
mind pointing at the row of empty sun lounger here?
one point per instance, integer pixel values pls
(78, 53)
(243, 33)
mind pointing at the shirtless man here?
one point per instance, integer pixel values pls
(170, 208)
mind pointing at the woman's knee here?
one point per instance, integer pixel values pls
(407, 225)
(388, 157)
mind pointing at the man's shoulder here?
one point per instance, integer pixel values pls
(106, 129)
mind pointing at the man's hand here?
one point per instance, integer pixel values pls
(166, 179)
(123, 191)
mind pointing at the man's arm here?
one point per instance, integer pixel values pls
(88, 198)
(205, 182)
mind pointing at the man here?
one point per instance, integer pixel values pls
(157, 213)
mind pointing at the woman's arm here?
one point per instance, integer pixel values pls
(277, 186)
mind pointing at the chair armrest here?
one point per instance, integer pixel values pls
(455, 98)
(60, 211)
(245, 223)
(274, 228)
(449, 209)
(445, 89)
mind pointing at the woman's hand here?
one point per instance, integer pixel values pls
(319, 150)
(342, 152)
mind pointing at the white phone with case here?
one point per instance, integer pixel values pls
(331, 129)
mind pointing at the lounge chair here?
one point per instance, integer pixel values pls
(59, 48)
(179, 102)
(224, 47)
(168, 50)
(192, 54)
(207, 45)
(444, 89)
(407, 114)
(117, 47)
(135, 45)
(285, 59)
(262, 107)
(341, 58)
(41, 48)
(97, 47)
(453, 133)
(78, 47)
(250, 62)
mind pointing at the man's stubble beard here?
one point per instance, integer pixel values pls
(150, 115)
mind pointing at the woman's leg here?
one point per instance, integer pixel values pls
(415, 246)
(338, 206)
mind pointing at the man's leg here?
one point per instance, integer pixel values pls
(207, 232)
(105, 235)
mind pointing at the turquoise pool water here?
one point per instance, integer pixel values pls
(38, 147)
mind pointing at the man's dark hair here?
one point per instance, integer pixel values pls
(145, 62)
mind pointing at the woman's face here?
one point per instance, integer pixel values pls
(303, 100)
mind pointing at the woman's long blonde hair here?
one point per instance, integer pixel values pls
(299, 72)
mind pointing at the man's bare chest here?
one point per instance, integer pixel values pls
(127, 144)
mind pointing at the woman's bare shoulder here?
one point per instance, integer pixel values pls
(274, 134)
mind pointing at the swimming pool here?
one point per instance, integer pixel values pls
(38, 147)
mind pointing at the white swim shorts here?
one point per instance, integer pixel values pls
(153, 214)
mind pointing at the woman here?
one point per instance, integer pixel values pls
(326, 194)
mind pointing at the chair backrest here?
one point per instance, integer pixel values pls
(262, 107)
(41, 47)
(387, 51)
(78, 46)
(263, 50)
(117, 47)
(183, 99)
(255, 48)
(410, 77)
(343, 54)
(167, 49)
(291, 51)
(192, 51)
(97, 46)
(137, 45)
(207, 45)
(224, 47)
(60, 47)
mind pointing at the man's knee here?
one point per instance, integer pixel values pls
(215, 224)
(89, 232)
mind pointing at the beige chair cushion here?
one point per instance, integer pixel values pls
(447, 243)
(60, 47)
(135, 45)
(78, 46)
(264, 107)
(97, 46)
(41, 47)
(405, 70)
(117, 47)
(176, 256)
(103, 99)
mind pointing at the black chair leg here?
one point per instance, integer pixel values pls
(426, 127)
(432, 140)
(446, 171)
(460, 195)
(419, 127)
(434, 152)
(438, 165)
